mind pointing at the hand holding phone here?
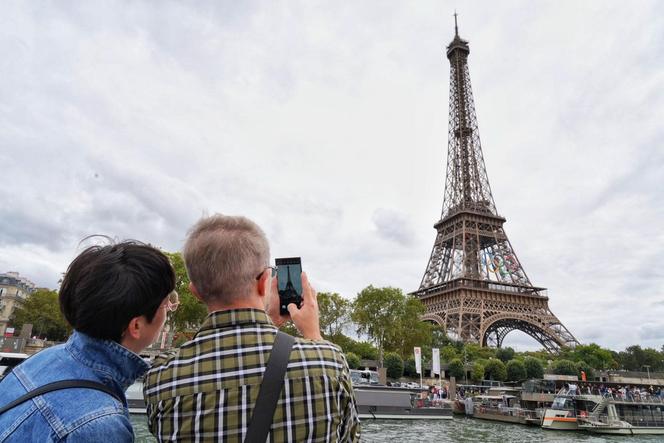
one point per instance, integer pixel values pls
(289, 282)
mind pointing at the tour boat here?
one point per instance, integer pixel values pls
(615, 415)
(567, 406)
(373, 402)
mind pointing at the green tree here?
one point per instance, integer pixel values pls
(477, 375)
(42, 310)
(505, 354)
(376, 312)
(516, 370)
(534, 367)
(593, 354)
(409, 369)
(333, 313)
(394, 365)
(409, 331)
(191, 312)
(448, 353)
(353, 360)
(473, 351)
(564, 367)
(456, 369)
(495, 370)
(582, 366)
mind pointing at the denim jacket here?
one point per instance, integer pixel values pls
(74, 414)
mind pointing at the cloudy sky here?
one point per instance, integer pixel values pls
(326, 123)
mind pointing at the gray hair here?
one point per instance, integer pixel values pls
(223, 255)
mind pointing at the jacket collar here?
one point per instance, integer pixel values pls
(109, 358)
(234, 317)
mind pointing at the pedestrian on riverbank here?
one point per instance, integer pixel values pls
(116, 298)
(208, 389)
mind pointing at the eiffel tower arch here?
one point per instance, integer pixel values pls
(474, 285)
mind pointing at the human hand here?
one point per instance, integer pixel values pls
(272, 304)
(306, 319)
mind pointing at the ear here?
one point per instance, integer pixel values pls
(194, 291)
(263, 284)
(134, 329)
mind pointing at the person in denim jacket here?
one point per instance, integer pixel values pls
(116, 298)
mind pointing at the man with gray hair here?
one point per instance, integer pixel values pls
(207, 389)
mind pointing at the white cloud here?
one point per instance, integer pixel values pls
(327, 124)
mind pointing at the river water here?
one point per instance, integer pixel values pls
(453, 431)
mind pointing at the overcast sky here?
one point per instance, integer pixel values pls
(326, 123)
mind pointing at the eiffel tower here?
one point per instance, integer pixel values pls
(474, 285)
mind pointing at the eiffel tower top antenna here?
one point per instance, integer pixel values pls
(456, 28)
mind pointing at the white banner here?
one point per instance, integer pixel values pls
(418, 360)
(435, 361)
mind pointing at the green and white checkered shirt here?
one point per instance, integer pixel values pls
(206, 390)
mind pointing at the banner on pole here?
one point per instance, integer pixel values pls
(418, 360)
(435, 361)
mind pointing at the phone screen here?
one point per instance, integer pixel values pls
(289, 271)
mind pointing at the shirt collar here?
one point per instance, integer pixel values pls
(234, 317)
(108, 357)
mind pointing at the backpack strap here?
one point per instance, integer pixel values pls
(58, 385)
(270, 390)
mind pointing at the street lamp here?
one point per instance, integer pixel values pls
(647, 369)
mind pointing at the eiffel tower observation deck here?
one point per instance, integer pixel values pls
(474, 284)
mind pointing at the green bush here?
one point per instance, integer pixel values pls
(495, 370)
(353, 360)
(564, 367)
(409, 368)
(478, 372)
(505, 354)
(516, 370)
(394, 365)
(534, 367)
(585, 367)
(456, 369)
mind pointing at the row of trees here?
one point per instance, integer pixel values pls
(389, 319)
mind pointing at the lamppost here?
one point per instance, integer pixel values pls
(647, 369)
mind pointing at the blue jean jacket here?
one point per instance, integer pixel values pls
(76, 414)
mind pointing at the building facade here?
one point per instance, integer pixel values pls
(14, 289)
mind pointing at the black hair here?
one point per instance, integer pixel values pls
(106, 286)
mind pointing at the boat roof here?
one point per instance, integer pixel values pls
(13, 355)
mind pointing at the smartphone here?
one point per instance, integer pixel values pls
(289, 282)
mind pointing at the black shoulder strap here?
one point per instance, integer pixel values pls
(56, 386)
(270, 389)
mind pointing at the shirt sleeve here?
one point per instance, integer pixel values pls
(350, 422)
(110, 428)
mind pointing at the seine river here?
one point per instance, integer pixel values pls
(456, 430)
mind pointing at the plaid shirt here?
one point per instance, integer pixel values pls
(206, 390)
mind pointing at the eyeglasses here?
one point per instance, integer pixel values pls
(274, 272)
(172, 302)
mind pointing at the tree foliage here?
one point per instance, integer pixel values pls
(505, 354)
(456, 369)
(42, 310)
(353, 360)
(516, 370)
(534, 367)
(375, 312)
(394, 365)
(448, 353)
(495, 370)
(362, 349)
(477, 375)
(409, 369)
(564, 367)
(191, 312)
(333, 313)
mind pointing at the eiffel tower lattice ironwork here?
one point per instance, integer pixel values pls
(474, 285)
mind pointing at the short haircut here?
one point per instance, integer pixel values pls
(106, 286)
(223, 255)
